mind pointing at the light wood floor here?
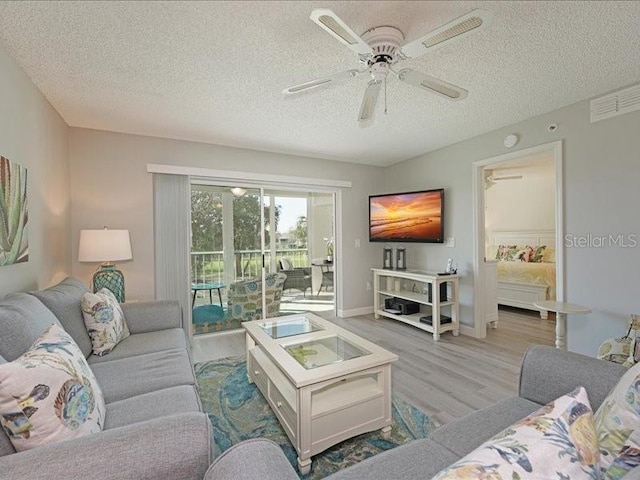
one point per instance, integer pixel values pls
(446, 379)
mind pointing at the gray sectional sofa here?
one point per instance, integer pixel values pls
(154, 426)
(546, 374)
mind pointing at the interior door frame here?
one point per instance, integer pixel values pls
(555, 148)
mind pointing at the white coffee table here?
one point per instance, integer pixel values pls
(325, 384)
(561, 309)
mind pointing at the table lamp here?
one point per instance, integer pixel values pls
(106, 246)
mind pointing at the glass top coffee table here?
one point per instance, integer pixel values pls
(324, 383)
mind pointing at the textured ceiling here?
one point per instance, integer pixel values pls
(214, 71)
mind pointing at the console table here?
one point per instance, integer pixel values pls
(325, 384)
(413, 285)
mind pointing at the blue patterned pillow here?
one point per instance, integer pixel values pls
(557, 441)
(49, 394)
(104, 320)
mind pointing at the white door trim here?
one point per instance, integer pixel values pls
(480, 327)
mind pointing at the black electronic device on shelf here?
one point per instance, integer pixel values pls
(405, 307)
(428, 319)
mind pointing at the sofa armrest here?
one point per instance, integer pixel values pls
(145, 317)
(548, 373)
(176, 448)
(255, 459)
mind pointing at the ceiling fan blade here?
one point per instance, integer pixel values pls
(506, 177)
(369, 101)
(321, 82)
(330, 22)
(468, 24)
(432, 84)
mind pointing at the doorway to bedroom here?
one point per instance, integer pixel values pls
(519, 226)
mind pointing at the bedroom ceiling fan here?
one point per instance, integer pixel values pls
(380, 48)
(491, 178)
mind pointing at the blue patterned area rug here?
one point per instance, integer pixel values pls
(238, 411)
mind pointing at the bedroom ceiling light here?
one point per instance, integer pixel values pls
(238, 191)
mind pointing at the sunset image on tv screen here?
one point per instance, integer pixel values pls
(406, 217)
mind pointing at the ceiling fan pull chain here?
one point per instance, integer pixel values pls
(385, 96)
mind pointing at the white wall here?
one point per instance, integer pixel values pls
(527, 203)
(601, 172)
(110, 186)
(35, 136)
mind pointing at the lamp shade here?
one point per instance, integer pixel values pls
(104, 245)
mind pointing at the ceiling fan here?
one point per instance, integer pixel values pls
(490, 178)
(380, 48)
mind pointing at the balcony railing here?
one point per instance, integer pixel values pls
(208, 267)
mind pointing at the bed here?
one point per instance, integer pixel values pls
(521, 283)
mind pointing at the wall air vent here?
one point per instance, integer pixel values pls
(614, 104)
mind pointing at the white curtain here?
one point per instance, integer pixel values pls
(172, 234)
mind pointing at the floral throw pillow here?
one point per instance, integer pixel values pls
(618, 426)
(506, 253)
(531, 254)
(557, 441)
(104, 320)
(49, 394)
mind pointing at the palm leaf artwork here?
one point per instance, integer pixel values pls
(14, 244)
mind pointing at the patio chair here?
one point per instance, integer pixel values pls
(297, 278)
(245, 297)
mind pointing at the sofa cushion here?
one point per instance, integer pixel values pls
(63, 300)
(143, 343)
(6, 447)
(128, 377)
(23, 319)
(49, 394)
(161, 403)
(618, 426)
(417, 459)
(104, 320)
(465, 434)
(252, 459)
(557, 441)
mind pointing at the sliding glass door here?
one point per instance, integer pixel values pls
(252, 254)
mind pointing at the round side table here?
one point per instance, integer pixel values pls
(561, 309)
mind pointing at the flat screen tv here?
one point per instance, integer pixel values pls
(407, 217)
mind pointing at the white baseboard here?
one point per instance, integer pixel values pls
(354, 312)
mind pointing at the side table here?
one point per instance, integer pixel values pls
(561, 309)
(197, 287)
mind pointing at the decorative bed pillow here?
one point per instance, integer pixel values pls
(49, 394)
(549, 255)
(506, 253)
(557, 441)
(490, 252)
(618, 426)
(104, 320)
(531, 254)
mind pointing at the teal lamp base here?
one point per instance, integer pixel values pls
(110, 278)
